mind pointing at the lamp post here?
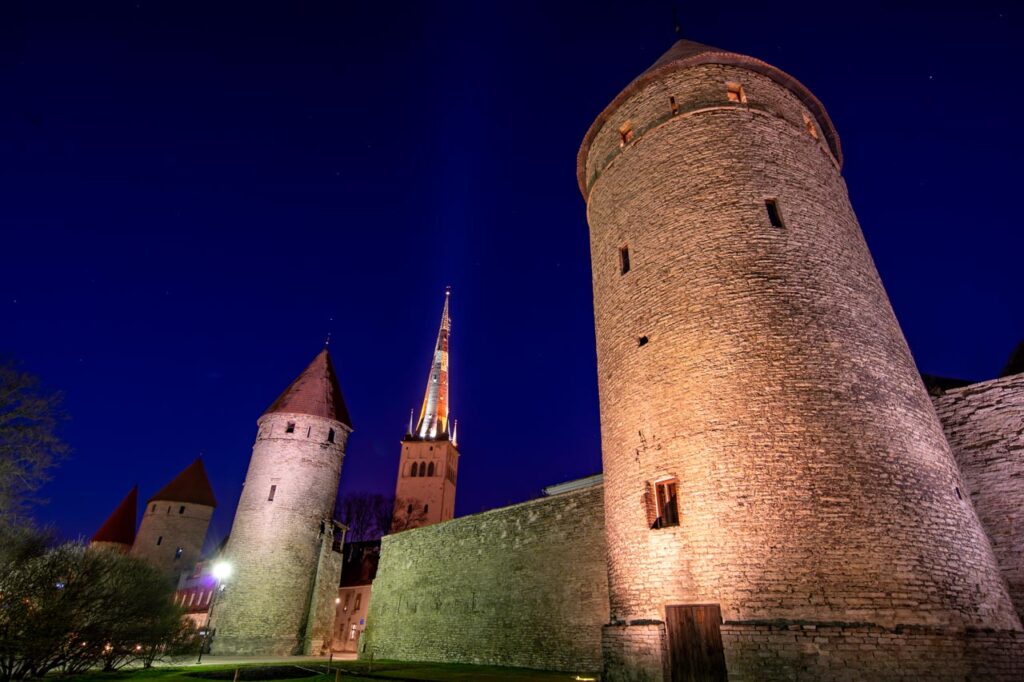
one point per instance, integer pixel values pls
(221, 572)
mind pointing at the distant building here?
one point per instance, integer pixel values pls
(358, 570)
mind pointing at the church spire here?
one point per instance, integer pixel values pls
(433, 423)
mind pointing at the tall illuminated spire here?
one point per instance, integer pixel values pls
(433, 423)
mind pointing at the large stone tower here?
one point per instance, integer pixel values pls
(175, 522)
(285, 563)
(775, 474)
(429, 462)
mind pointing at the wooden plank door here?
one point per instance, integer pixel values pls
(695, 643)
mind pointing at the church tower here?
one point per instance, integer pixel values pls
(175, 521)
(429, 462)
(773, 466)
(286, 565)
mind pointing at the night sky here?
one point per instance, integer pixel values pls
(193, 195)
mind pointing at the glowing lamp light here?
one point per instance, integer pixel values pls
(337, 600)
(222, 570)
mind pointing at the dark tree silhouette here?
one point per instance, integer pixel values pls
(29, 445)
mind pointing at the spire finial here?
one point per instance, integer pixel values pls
(455, 433)
(330, 324)
(675, 20)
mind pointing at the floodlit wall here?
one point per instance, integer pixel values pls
(524, 585)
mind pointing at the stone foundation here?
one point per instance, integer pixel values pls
(766, 652)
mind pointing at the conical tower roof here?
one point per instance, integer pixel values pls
(315, 392)
(191, 486)
(120, 525)
(686, 54)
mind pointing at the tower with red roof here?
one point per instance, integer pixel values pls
(175, 521)
(285, 563)
(118, 531)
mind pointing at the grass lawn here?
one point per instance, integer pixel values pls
(350, 671)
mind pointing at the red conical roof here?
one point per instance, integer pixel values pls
(315, 392)
(120, 526)
(191, 486)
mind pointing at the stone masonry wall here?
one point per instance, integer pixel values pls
(984, 424)
(166, 526)
(280, 548)
(524, 585)
(762, 368)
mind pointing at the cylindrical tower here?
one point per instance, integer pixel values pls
(285, 567)
(175, 521)
(770, 453)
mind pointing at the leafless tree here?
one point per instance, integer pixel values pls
(371, 516)
(74, 608)
(29, 445)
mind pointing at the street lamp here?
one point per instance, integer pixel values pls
(221, 572)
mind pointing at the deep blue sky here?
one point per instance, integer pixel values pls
(189, 193)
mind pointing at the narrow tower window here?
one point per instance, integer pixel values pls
(309, 432)
(811, 128)
(414, 469)
(734, 91)
(181, 509)
(675, 107)
(426, 508)
(624, 259)
(409, 509)
(625, 133)
(290, 428)
(423, 468)
(774, 214)
(177, 553)
(273, 491)
(430, 469)
(153, 508)
(642, 341)
(330, 435)
(160, 539)
(668, 505)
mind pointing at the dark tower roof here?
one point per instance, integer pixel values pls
(687, 53)
(120, 525)
(315, 392)
(1015, 365)
(191, 486)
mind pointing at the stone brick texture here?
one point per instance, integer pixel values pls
(815, 480)
(166, 522)
(279, 599)
(435, 492)
(984, 424)
(524, 585)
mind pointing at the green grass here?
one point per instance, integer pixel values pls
(351, 671)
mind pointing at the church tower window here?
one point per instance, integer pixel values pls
(430, 469)
(290, 428)
(774, 214)
(735, 93)
(668, 504)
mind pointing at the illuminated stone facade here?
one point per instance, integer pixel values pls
(984, 423)
(748, 353)
(524, 585)
(286, 563)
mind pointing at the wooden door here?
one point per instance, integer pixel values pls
(695, 643)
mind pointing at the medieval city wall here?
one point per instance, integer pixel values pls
(984, 424)
(524, 585)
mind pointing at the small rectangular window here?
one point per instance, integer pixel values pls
(177, 553)
(625, 133)
(160, 539)
(309, 432)
(668, 505)
(774, 214)
(330, 435)
(359, 602)
(811, 128)
(675, 106)
(624, 259)
(153, 508)
(735, 92)
(273, 490)
(181, 509)
(290, 428)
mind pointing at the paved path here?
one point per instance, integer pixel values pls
(249, 660)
